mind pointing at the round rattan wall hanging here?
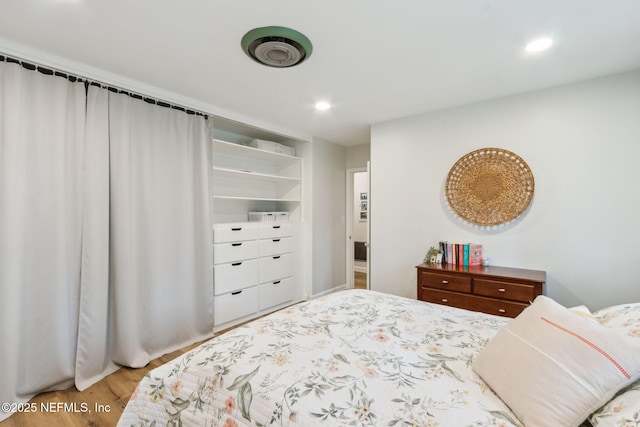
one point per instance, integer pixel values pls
(489, 187)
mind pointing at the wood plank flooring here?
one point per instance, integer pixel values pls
(360, 280)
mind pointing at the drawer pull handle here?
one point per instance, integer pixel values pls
(502, 310)
(276, 240)
(276, 226)
(236, 229)
(502, 290)
(445, 282)
(235, 264)
(236, 292)
(236, 244)
(276, 283)
(445, 300)
(276, 257)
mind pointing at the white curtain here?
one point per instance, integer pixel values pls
(94, 340)
(42, 121)
(159, 271)
(105, 244)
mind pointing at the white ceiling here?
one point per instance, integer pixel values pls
(374, 60)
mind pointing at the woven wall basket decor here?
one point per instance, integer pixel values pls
(489, 187)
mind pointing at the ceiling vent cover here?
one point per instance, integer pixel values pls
(276, 46)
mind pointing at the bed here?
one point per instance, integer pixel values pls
(354, 357)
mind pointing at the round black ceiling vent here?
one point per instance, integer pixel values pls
(276, 46)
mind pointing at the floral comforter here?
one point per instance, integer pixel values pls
(352, 358)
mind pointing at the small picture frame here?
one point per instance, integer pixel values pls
(363, 196)
(364, 204)
(363, 216)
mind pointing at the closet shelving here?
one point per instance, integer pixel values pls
(249, 179)
(258, 267)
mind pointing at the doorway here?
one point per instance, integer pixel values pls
(358, 203)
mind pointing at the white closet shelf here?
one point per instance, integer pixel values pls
(249, 174)
(258, 199)
(224, 147)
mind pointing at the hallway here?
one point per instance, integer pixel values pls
(360, 280)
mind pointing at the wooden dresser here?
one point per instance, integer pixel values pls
(495, 290)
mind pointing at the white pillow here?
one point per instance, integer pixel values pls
(624, 409)
(583, 310)
(624, 318)
(553, 368)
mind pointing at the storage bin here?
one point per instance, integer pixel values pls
(268, 216)
(274, 147)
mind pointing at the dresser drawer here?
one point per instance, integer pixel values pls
(445, 282)
(234, 276)
(270, 231)
(504, 290)
(235, 251)
(235, 305)
(275, 267)
(495, 306)
(236, 232)
(474, 303)
(451, 299)
(274, 293)
(277, 246)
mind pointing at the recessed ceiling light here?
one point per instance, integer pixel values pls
(323, 106)
(539, 45)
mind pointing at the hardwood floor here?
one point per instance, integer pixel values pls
(99, 405)
(360, 280)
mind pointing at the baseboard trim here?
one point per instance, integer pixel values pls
(329, 291)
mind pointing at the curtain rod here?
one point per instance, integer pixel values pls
(87, 81)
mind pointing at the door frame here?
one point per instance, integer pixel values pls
(350, 198)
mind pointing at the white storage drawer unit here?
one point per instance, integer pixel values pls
(274, 293)
(253, 269)
(270, 231)
(234, 232)
(234, 251)
(278, 246)
(235, 305)
(235, 275)
(275, 267)
(258, 200)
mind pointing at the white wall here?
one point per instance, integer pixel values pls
(582, 142)
(357, 156)
(328, 224)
